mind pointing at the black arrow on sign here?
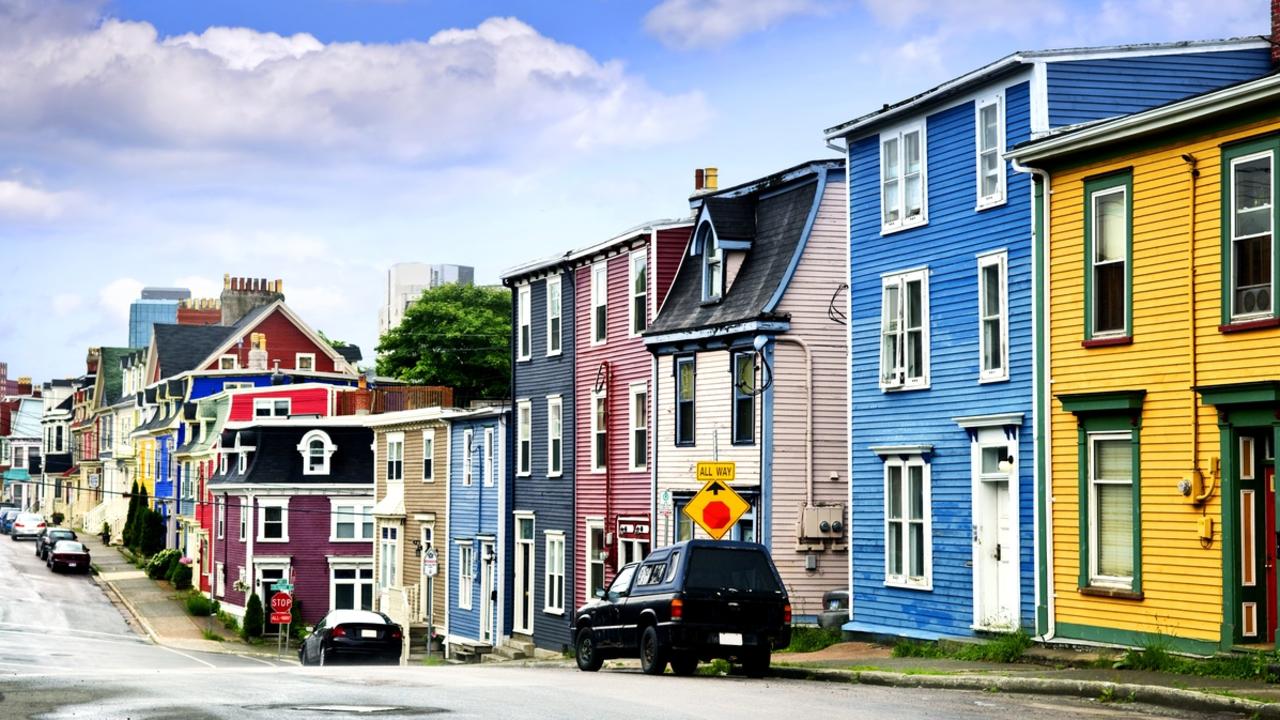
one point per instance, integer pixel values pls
(716, 487)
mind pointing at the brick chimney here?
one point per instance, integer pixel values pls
(1275, 33)
(242, 295)
(364, 397)
(24, 385)
(706, 180)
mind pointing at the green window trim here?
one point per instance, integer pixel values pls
(1094, 186)
(1230, 153)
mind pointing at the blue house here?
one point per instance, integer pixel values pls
(477, 500)
(943, 465)
(540, 523)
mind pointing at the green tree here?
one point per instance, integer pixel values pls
(151, 534)
(139, 520)
(454, 335)
(335, 344)
(126, 535)
(253, 618)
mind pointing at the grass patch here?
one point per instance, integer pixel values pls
(229, 621)
(433, 661)
(1003, 649)
(1239, 666)
(807, 638)
(211, 635)
(714, 668)
(199, 605)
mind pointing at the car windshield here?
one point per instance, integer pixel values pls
(62, 535)
(29, 518)
(726, 569)
(69, 546)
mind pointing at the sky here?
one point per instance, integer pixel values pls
(167, 142)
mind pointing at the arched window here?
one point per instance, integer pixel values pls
(316, 449)
(712, 263)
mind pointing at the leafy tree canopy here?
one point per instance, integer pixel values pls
(454, 335)
(335, 344)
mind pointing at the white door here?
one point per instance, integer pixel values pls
(995, 534)
(487, 575)
(523, 621)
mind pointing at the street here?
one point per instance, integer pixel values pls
(67, 652)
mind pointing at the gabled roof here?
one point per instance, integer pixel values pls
(254, 317)
(178, 348)
(1020, 60)
(585, 254)
(276, 460)
(350, 353)
(111, 375)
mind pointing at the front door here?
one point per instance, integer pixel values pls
(524, 575)
(1257, 552)
(487, 590)
(995, 532)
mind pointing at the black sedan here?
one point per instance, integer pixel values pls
(49, 536)
(356, 635)
(69, 555)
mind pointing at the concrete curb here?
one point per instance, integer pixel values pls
(1090, 689)
(152, 635)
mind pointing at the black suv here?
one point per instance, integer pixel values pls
(692, 601)
(49, 537)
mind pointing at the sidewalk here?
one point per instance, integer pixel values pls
(158, 611)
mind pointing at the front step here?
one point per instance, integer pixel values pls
(507, 652)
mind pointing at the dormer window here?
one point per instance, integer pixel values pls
(712, 264)
(222, 464)
(316, 449)
(242, 463)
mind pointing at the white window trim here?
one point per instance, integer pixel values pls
(524, 434)
(468, 458)
(557, 403)
(270, 404)
(906, 581)
(902, 223)
(598, 464)
(712, 241)
(466, 573)
(556, 309)
(548, 606)
(304, 449)
(1000, 196)
(394, 566)
(242, 462)
(1097, 579)
(398, 438)
(643, 257)
(219, 579)
(488, 466)
(233, 365)
(363, 506)
(429, 453)
(902, 278)
(591, 524)
(220, 517)
(263, 504)
(1123, 192)
(1232, 240)
(524, 325)
(632, 391)
(297, 361)
(357, 564)
(599, 297)
(222, 462)
(244, 519)
(999, 258)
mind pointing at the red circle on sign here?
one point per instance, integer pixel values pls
(281, 602)
(715, 514)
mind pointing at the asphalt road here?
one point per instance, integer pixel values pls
(67, 652)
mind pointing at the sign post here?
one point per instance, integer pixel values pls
(430, 568)
(282, 614)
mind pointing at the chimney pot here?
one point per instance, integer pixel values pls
(1275, 33)
(697, 179)
(712, 178)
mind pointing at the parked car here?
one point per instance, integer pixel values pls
(49, 536)
(352, 635)
(70, 555)
(696, 600)
(26, 525)
(835, 609)
(7, 516)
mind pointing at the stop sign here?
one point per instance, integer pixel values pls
(281, 602)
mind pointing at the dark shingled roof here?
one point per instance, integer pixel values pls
(733, 218)
(351, 353)
(779, 224)
(276, 458)
(180, 348)
(112, 374)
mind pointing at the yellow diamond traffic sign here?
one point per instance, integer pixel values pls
(716, 508)
(708, 471)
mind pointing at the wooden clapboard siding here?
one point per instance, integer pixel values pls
(473, 512)
(1182, 578)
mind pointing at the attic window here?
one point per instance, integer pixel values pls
(228, 362)
(712, 264)
(316, 449)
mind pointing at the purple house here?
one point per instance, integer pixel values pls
(294, 501)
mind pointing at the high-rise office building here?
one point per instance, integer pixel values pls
(406, 283)
(155, 305)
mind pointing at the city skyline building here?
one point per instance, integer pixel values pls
(154, 305)
(408, 280)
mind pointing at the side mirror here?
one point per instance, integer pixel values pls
(600, 594)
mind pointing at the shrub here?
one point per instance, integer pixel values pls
(806, 638)
(151, 539)
(180, 575)
(253, 618)
(227, 619)
(199, 605)
(57, 518)
(160, 564)
(130, 521)
(296, 626)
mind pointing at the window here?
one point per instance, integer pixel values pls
(993, 317)
(554, 309)
(466, 574)
(489, 463)
(468, 458)
(235, 385)
(639, 426)
(686, 374)
(222, 462)
(639, 284)
(554, 585)
(744, 398)
(273, 520)
(555, 436)
(389, 556)
(712, 264)
(1249, 253)
(57, 438)
(524, 436)
(242, 461)
(429, 455)
(316, 449)
(599, 300)
(599, 430)
(989, 119)
(220, 579)
(651, 573)
(304, 361)
(395, 457)
(220, 509)
(595, 558)
(351, 588)
(1107, 226)
(904, 330)
(244, 519)
(631, 550)
(272, 407)
(1112, 510)
(524, 326)
(902, 178)
(352, 519)
(908, 542)
(228, 362)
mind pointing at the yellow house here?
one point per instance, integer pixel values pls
(1158, 396)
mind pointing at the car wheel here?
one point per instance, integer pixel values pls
(324, 657)
(684, 664)
(302, 657)
(653, 657)
(756, 665)
(587, 653)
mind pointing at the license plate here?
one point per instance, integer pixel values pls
(730, 638)
(369, 633)
(71, 564)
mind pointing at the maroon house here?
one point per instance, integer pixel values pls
(294, 501)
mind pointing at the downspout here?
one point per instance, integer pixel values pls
(808, 418)
(1043, 376)
(1197, 478)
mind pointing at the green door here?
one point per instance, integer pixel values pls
(1257, 552)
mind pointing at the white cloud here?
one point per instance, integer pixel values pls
(22, 202)
(495, 90)
(688, 24)
(116, 296)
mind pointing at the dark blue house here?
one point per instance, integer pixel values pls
(540, 523)
(943, 464)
